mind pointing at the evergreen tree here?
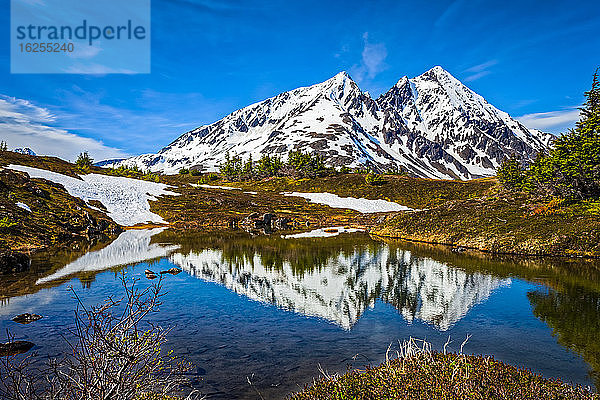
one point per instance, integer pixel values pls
(84, 161)
(571, 169)
(269, 166)
(3, 146)
(575, 156)
(511, 174)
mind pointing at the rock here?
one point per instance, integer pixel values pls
(13, 262)
(268, 218)
(172, 271)
(254, 215)
(459, 249)
(283, 223)
(16, 347)
(26, 318)
(150, 274)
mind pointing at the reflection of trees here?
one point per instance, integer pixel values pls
(574, 316)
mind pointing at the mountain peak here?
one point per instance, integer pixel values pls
(438, 70)
(340, 77)
(431, 125)
(402, 81)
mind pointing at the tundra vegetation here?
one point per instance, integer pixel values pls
(417, 373)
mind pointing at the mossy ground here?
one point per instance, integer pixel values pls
(441, 376)
(503, 222)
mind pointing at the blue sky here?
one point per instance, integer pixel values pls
(532, 59)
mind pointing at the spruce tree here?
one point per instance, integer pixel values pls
(575, 157)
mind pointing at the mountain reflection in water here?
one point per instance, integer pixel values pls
(358, 293)
(342, 289)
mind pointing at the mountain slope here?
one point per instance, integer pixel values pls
(432, 125)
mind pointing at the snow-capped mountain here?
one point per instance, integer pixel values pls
(25, 150)
(431, 125)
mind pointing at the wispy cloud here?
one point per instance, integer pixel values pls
(551, 121)
(479, 71)
(450, 12)
(372, 60)
(23, 124)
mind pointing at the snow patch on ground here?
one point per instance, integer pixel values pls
(23, 206)
(362, 205)
(126, 199)
(322, 232)
(215, 187)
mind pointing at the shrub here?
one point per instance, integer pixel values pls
(306, 164)
(231, 169)
(6, 223)
(419, 373)
(268, 166)
(511, 174)
(3, 146)
(208, 178)
(184, 171)
(84, 162)
(374, 179)
(112, 356)
(195, 172)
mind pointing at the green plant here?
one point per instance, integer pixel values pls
(6, 223)
(84, 162)
(511, 173)
(571, 169)
(231, 168)
(307, 165)
(195, 172)
(374, 179)
(3, 146)
(208, 178)
(184, 171)
(112, 356)
(268, 166)
(417, 372)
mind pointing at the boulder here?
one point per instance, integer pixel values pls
(16, 347)
(13, 262)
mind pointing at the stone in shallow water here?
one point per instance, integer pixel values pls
(150, 274)
(16, 347)
(172, 271)
(26, 318)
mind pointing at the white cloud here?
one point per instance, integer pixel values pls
(23, 124)
(553, 121)
(479, 71)
(373, 60)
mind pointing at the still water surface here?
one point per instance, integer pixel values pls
(276, 310)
